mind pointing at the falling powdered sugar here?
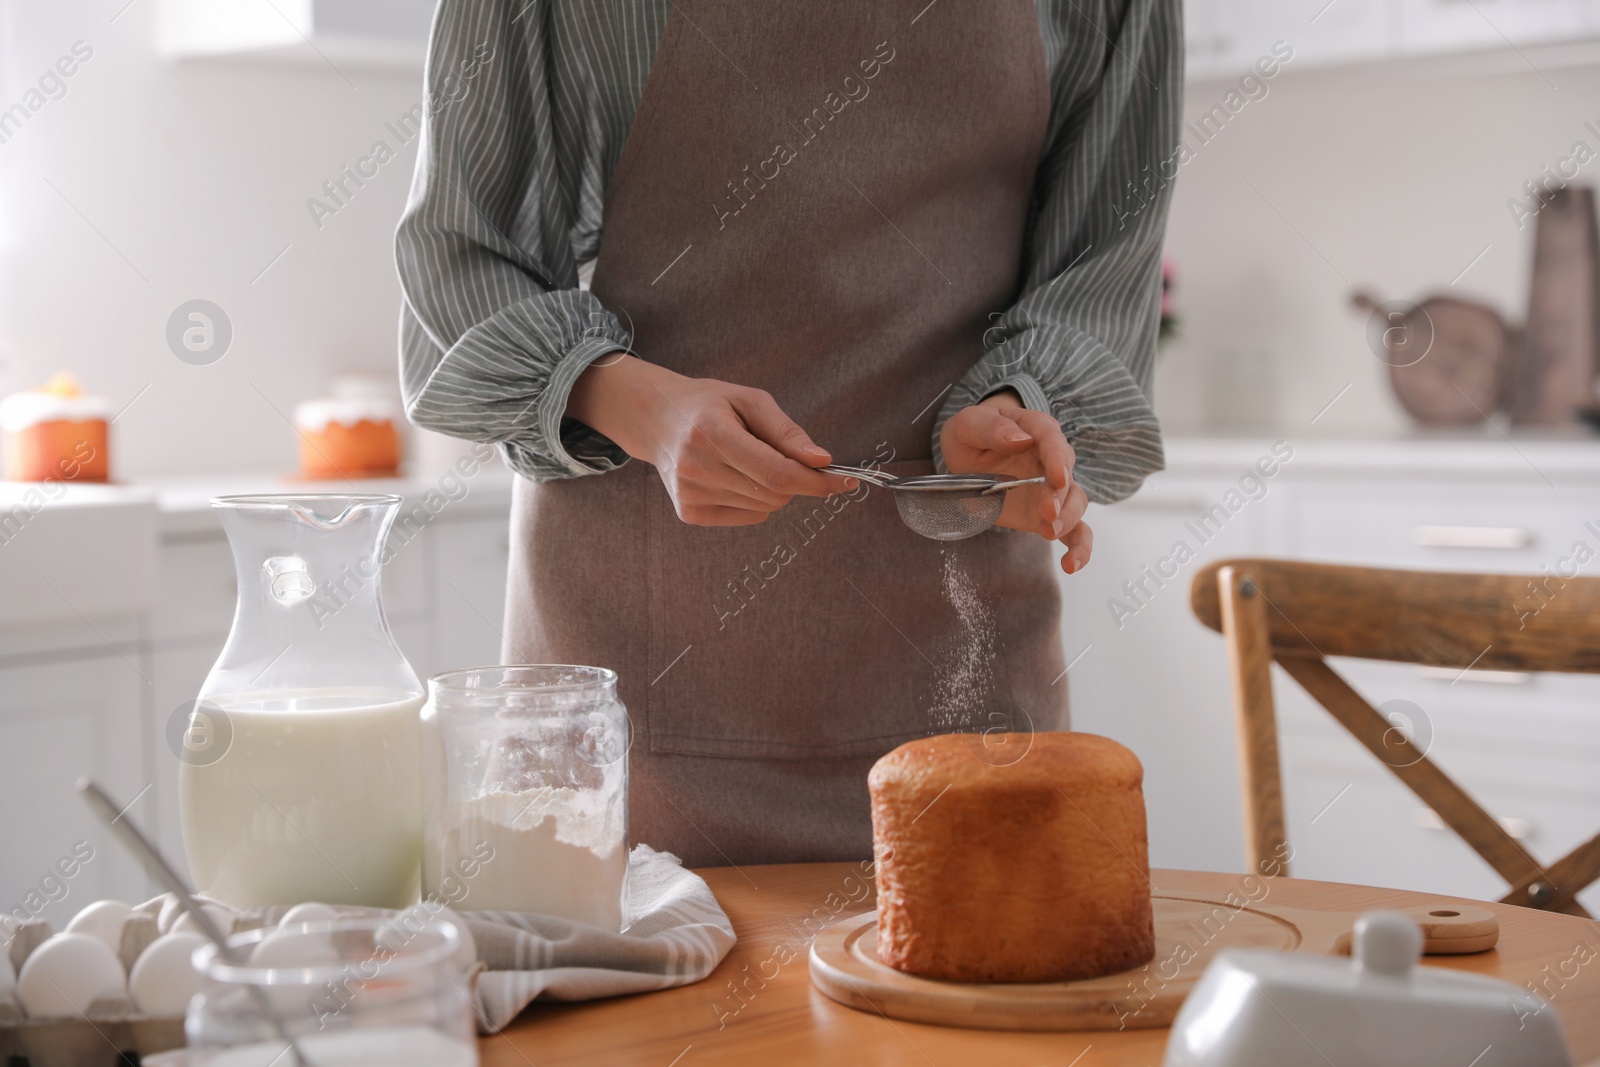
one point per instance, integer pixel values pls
(964, 680)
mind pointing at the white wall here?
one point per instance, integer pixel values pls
(198, 174)
(1396, 175)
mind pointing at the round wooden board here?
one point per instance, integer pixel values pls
(1190, 931)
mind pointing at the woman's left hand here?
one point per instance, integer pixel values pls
(1000, 436)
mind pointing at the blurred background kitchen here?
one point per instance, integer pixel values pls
(256, 155)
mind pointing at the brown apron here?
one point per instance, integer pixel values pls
(826, 201)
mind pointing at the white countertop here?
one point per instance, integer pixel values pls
(183, 505)
(1559, 459)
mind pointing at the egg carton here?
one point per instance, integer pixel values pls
(111, 1028)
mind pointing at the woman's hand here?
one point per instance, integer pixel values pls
(727, 454)
(1000, 436)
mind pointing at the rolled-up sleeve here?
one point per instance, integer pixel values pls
(1079, 343)
(494, 328)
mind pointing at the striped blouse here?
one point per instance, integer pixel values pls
(529, 102)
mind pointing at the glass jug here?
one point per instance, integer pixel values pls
(299, 776)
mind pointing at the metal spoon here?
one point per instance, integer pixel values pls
(944, 507)
(162, 872)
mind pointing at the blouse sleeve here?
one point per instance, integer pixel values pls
(1079, 342)
(494, 329)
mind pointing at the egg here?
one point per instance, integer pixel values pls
(66, 974)
(8, 977)
(294, 950)
(185, 922)
(164, 978)
(310, 912)
(103, 921)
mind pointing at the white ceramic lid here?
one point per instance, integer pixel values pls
(1268, 1009)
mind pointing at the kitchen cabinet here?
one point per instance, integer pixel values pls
(1527, 746)
(62, 718)
(1452, 25)
(1225, 37)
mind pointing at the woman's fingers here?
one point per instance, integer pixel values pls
(984, 429)
(787, 445)
(1080, 542)
(709, 477)
(719, 515)
(768, 422)
(1055, 455)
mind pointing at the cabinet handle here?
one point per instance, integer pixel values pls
(1450, 674)
(1515, 828)
(1471, 536)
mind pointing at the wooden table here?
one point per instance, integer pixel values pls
(781, 1019)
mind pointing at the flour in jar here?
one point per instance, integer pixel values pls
(556, 851)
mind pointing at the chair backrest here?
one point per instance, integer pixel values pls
(1297, 614)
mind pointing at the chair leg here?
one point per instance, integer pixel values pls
(1249, 641)
(1554, 888)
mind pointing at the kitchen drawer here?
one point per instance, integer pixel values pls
(74, 554)
(1369, 829)
(1506, 528)
(1558, 772)
(1507, 707)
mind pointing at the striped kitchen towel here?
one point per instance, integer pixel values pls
(678, 935)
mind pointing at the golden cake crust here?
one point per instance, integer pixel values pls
(1031, 871)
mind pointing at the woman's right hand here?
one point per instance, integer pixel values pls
(727, 454)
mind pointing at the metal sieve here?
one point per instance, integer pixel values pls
(944, 507)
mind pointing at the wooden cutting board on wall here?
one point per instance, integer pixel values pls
(1561, 353)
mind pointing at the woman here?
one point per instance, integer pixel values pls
(897, 232)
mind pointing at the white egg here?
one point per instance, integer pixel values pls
(310, 912)
(294, 950)
(164, 978)
(185, 923)
(66, 974)
(103, 921)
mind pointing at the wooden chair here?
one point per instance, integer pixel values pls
(1296, 614)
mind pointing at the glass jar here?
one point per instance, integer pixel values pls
(299, 775)
(349, 991)
(525, 784)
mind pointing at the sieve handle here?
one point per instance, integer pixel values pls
(866, 474)
(1012, 485)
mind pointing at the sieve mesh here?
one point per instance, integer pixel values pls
(949, 515)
